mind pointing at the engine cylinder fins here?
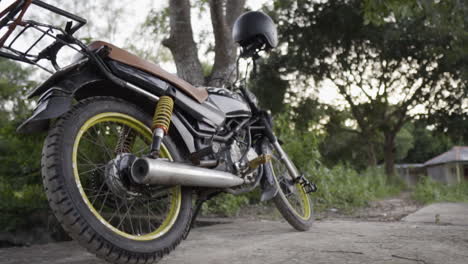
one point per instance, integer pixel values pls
(163, 113)
(162, 172)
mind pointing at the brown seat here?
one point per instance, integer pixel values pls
(120, 55)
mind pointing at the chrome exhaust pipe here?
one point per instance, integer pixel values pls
(161, 172)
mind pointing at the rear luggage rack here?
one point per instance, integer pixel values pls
(12, 17)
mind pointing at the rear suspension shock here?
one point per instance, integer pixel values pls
(161, 122)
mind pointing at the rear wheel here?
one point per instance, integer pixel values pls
(292, 200)
(85, 167)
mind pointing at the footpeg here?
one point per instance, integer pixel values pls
(260, 160)
(309, 187)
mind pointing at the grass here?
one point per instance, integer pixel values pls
(344, 188)
(340, 187)
(429, 191)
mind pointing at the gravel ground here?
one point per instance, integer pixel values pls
(421, 237)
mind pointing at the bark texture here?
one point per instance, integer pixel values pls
(389, 154)
(184, 49)
(223, 16)
(181, 43)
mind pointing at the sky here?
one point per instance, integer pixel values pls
(128, 21)
(327, 94)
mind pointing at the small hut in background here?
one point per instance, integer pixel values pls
(449, 167)
(411, 172)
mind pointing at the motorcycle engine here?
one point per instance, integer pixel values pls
(234, 160)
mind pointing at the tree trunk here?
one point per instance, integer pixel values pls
(181, 43)
(372, 158)
(389, 154)
(223, 15)
(184, 49)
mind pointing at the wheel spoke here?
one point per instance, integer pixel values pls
(125, 215)
(117, 211)
(104, 202)
(100, 168)
(290, 192)
(100, 189)
(134, 211)
(103, 142)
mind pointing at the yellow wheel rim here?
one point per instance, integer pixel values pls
(175, 192)
(302, 199)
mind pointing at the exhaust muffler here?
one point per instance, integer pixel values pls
(161, 172)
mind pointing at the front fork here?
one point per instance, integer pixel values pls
(293, 172)
(284, 157)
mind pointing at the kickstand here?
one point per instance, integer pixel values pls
(202, 198)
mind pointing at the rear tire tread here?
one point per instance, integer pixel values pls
(57, 195)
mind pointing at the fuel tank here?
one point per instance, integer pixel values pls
(230, 103)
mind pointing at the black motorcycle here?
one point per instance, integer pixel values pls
(130, 144)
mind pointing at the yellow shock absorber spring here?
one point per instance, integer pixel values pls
(162, 115)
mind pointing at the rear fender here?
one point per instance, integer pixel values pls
(54, 103)
(58, 93)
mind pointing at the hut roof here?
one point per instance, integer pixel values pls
(458, 153)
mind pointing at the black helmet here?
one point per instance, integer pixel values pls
(253, 26)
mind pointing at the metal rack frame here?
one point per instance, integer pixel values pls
(12, 17)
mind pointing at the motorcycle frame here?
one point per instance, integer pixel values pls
(77, 81)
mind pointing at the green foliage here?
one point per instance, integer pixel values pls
(372, 65)
(340, 187)
(447, 17)
(404, 142)
(158, 22)
(344, 144)
(301, 146)
(451, 125)
(375, 11)
(18, 204)
(269, 87)
(20, 182)
(344, 188)
(225, 205)
(427, 143)
(429, 191)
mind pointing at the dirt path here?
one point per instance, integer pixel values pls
(416, 239)
(386, 210)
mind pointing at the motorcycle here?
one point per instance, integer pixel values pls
(133, 151)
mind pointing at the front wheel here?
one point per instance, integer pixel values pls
(292, 200)
(85, 164)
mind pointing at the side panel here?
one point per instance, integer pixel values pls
(206, 111)
(230, 103)
(231, 107)
(55, 103)
(58, 92)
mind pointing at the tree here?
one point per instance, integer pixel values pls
(343, 144)
(20, 182)
(427, 143)
(269, 86)
(448, 17)
(382, 71)
(184, 49)
(18, 156)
